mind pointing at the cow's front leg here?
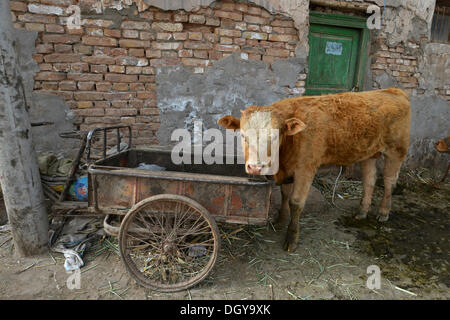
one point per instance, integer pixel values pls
(285, 212)
(302, 184)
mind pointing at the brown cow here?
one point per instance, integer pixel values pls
(336, 129)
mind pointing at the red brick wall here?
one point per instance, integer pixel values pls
(106, 71)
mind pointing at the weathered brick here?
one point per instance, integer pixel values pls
(60, 38)
(195, 36)
(136, 52)
(103, 86)
(49, 76)
(131, 34)
(254, 10)
(46, 85)
(149, 111)
(97, 23)
(120, 78)
(99, 68)
(197, 18)
(202, 54)
(282, 23)
(169, 54)
(148, 70)
(45, 67)
(29, 17)
(143, 35)
(121, 86)
(153, 53)
(227, 48)
(197, 45)
(102, 59)
(211, 37)
(180, 18)
(167, 45)
(86, 86)
(168, 27)
(277, 52)
(137, 87)
(180, 36)
(133, 70)
(44, 9)
(112, 33)
(84, 77)
(39, 27)
(212, 22)
(236, 16)
(118, 52)
(185, 53)
(243, 7)
(129, 43)
(99, 41)
(239, 41)
(94, 32)
(84, 104)
(163, 36)
(44, 48)
(229, 33)
(226, 40)
(54, 28)
(164, 62)
(255, 35)
(62, 57)
(112, 96)
(255, 20)
(102, 120)
(282, 37)
(137, 25)
(162, 16)
(87, 95)
(79, 67)
(18, 6)
(215, 55)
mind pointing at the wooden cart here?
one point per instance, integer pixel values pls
(168, 237)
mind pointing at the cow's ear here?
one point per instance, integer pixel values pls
(229, 122)
(294, 126)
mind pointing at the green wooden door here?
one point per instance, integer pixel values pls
(333, 59)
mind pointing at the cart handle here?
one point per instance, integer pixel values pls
(91, 133)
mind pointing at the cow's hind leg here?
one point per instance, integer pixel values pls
(392, 164)
(285, 212)
(369, 177)
(302, 184)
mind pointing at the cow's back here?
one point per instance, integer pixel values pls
(350, 127)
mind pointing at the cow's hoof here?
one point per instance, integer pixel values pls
(361, 215)
(290, 244)
(382, 217)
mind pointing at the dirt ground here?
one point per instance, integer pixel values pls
(411, 250)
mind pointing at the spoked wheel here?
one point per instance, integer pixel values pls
(168, 242)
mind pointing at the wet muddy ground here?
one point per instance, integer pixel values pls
(411, 250)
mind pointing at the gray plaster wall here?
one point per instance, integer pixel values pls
(43, 107)
(225, 88)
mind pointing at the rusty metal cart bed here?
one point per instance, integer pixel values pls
(168, 237)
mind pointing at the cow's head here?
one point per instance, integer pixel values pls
(261, 130)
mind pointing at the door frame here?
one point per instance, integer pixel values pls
(339, 20)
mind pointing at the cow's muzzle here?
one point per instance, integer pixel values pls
(253, 168)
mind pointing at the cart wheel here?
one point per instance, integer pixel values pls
(168, 242)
